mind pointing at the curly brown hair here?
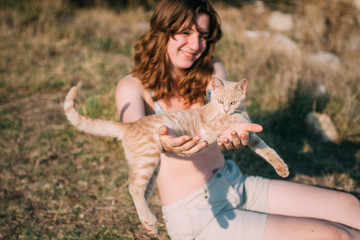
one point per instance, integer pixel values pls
(151, 59)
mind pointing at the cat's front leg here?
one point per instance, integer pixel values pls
(269, 154)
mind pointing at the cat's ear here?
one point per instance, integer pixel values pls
(216, 83)
(242, 85)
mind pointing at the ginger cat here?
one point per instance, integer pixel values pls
(143, 150)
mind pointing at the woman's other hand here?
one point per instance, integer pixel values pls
(183, 145)
(237, 135)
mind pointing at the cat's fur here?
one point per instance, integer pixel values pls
(142, 146)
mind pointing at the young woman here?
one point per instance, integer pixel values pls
(203, 195)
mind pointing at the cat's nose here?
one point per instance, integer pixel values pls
(226, 111)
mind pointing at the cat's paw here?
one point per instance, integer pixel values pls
(151, 229)
(282, 170)
(150, 225)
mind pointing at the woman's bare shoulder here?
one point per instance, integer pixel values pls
(129, 82)
(129, 99)
(219, 70)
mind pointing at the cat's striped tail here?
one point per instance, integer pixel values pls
(94, 126)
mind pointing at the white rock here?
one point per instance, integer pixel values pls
(260, 8)
(256, 34)
(320, 90)
(278, 41)
(356, 4)
(281, 22)
(284, 43)
(325, 58)
(321, 125)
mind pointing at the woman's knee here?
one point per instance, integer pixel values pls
(351, 202)
(281, 227)
(350, 205)
(341, 234)
(329, 231)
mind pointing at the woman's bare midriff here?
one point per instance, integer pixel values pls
(180, 176)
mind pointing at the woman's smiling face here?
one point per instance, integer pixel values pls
(187, 46)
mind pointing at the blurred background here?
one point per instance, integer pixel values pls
(301, 59)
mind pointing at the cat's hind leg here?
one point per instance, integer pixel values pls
(151, 185)
(140, 177)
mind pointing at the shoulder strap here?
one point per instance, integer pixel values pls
(158, 108)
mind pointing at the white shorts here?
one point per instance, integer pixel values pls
(229, 206)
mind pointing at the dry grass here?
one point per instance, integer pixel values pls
(56, 182)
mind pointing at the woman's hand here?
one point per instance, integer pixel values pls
(239, 135)
(183, 145)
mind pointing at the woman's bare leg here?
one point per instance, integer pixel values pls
(298, 200)
(286, 228)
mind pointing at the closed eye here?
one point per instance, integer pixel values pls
(204, 36)
(185, 31)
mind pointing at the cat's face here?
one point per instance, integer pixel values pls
(228, 96)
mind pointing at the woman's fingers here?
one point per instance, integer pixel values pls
(244, 138)
(226, 144)
(239, 135)
(196, 148)
(181, 142)
(236, 140)
(184, 145)
(249, 127)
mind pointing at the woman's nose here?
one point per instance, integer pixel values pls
(194, 41)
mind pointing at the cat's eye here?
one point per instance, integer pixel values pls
(220, 101)
(233, 102)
